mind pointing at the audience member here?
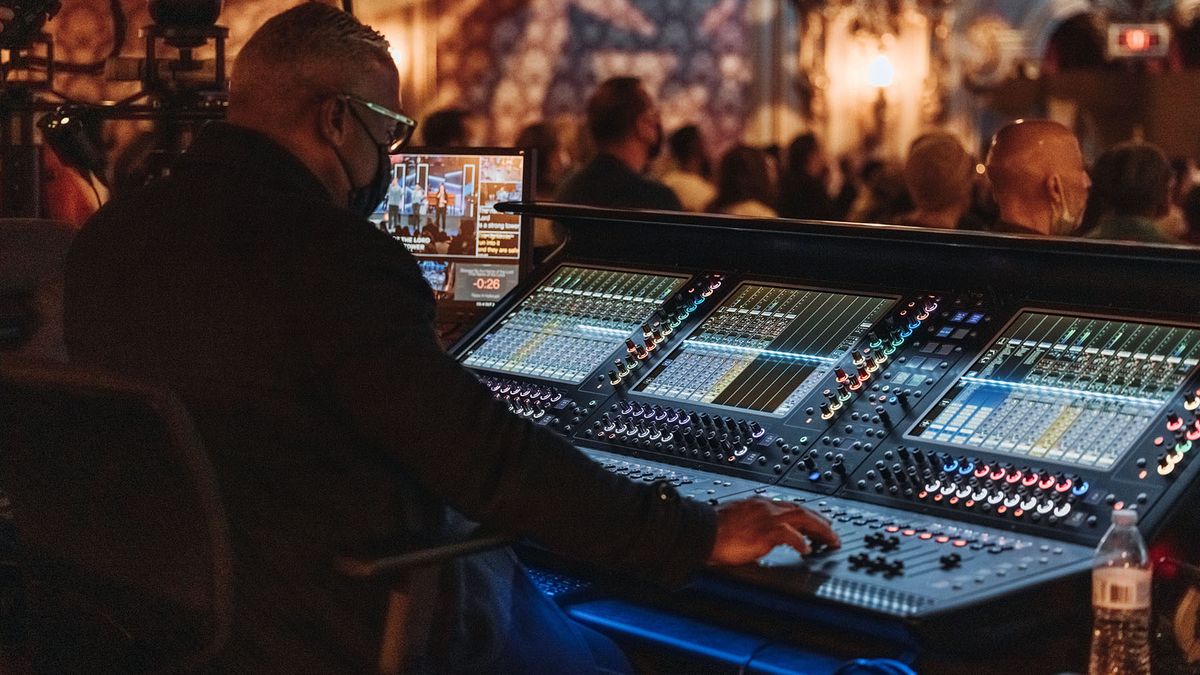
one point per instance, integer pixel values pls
(689, 170)
(803, 187)
(1038, 178)
(939, 175)
(623, 122)
(1191, 215)
(744, 184)
(446, 128)
(1133, 181)
(553, 162)
(463, 243)
(1174, 224)
(881, 196)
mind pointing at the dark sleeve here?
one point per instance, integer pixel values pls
(371, 336)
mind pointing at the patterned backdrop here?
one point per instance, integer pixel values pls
(521, 61)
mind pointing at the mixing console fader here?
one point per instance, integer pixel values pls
(968, 429)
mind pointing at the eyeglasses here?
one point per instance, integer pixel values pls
(401, 132)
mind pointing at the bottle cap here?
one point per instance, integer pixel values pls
(1124, 517)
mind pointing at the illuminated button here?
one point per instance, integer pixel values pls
(950, 467)
(891, 528)
(1080, 488)
(908, 533)
(1030, 478)
(948, 489)
(1012, 501)
(1045, 507)
(959, 543)
(982, 470)
(1018, 513)
(979, 495)
(963, 493)
(925, 535)
(933, 486)
(1046, 483)
(942, 539)
(840, 375)
(1183, 448)
(1193, 432)
(1165, 468)
(1062, 510)
(1029, 503)
(1191, 401)
(996, 497)
(997, 473)
(1063, 485)
(1013, 476)
(1174, 421)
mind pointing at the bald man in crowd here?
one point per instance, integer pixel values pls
(1038, 178)
(251, 282)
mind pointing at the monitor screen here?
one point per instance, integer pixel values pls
(765, 348)
(1075, 390)
(441, 206)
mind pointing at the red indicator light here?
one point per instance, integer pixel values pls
(969, 503)
(1158, 440)
(1018, 513)
(1118, 506)
(1136, 40)
(942, 539)
(960, 542)
(954, 500)
(892, 528)
(1029, 479)
(1063, 486)
(937, 497)
(1001, 509)
(1013, 477)
(1046, 483)
(982, 471)
(925, 535)
(997, 474)
(923, 495)
(908, 533)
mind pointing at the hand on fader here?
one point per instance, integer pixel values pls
(748, 529)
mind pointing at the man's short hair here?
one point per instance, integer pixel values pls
(938, 171)
(311, 44)
(614, 109)
(1133, 179)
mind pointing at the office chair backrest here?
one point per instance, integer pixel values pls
(118, 519)
(32, 253)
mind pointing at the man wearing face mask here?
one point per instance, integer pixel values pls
(1038, 178)
(623, 122)
(251, 282)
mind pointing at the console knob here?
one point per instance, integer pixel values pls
(840, 375)
(885, 418)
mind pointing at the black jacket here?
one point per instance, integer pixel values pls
(606, 181)
(300, 338)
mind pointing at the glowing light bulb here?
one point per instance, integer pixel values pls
(881, 73)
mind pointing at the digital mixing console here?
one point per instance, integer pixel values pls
(969, 441)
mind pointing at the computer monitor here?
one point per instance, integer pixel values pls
(440, 205)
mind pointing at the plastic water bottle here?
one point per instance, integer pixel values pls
(1121, 578)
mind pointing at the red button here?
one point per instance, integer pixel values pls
(960, 542)
(925, 535)
(908, 533)
(1029, 479)
(1046, 483)
(892, 528)
(942, 539)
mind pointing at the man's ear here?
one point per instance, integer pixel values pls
(1055, 192)
(332, 117)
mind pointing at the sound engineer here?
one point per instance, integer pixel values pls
(300, 337)
(1038, 178)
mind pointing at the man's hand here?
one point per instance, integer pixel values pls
(748, 529)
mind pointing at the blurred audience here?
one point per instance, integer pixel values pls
(881, 196)
(939, 175)
(623, 122)
(1191, 216)
(1133, 184)
(803, 187)
(689, 170)
(1038, 178)
(744, 184)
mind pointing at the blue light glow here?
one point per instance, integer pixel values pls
(1060, 391)
(759, 352)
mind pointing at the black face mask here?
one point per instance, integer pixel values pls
(365, 199)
